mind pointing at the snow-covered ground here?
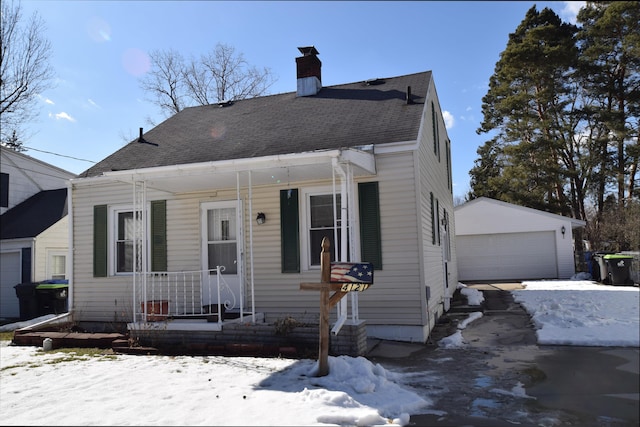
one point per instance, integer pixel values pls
(53, 388)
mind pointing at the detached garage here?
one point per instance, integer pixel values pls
(500, 241)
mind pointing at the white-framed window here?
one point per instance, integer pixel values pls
(57, 264)
(122, 226)
(318, 222)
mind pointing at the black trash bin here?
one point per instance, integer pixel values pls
(619, 269)
(53, 297)
(600, 271)
(28, 300)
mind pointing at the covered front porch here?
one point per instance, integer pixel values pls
(165, 300)
(187, 300)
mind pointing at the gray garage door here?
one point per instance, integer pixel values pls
(508, 256)
(9, 277)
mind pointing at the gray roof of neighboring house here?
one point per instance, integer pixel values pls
(341, 116)
(34, 215)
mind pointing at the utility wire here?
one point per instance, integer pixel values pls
(56, 154)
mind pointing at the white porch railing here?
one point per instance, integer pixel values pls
(184, 294)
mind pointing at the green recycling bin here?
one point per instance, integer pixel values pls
(618, 269)
(53, 296)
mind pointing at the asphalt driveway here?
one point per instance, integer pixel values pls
(501, 377)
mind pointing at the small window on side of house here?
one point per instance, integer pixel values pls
(57, 265)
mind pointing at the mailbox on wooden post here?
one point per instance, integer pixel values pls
(339, 277)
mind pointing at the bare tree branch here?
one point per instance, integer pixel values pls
(165, 83)
(24, 70)
(219, 75)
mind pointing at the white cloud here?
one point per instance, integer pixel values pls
(93, 103)
(45, 100)
(571, 9)
(62, 115)
(449, 121)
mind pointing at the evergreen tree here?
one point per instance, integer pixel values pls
(525, 106)
(609, 43)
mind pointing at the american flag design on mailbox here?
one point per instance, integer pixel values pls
(354, 276)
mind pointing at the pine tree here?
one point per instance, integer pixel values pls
(525, 106)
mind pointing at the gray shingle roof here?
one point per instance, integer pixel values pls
(340, 116)
(34, 215)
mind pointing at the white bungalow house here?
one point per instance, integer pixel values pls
(34, 234)
(500, 241)
(240, 195)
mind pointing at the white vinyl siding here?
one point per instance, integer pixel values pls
(434, 179)
(394, 299)
(28, 176)
(100, 299)
(54, 239)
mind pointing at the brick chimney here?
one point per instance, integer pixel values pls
(308, 71)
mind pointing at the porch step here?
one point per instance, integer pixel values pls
(140, 350)
(230, 349)
(464, 309)
(67, 339)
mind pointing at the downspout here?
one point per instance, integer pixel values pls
(253, 300)
(354, 252)
(140, 246)
(70, 249)
(140, 255)
(240, 238)
(134, 286)
(342, 305)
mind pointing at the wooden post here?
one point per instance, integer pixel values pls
(325, 277)
(341, 287)
(326, 302)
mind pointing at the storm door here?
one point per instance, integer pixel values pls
(221, 247)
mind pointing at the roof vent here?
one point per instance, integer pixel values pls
(409, 97)
(374, 82)
(144, 141)
(225, 103)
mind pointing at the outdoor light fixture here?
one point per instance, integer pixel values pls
(563, 230)
(261, 218)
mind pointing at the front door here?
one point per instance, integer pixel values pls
(221, 246)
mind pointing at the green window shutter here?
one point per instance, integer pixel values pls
(159, 235)
(433, 222)
(448, 148)
(438, 219)
(433, 127)
(289, 231)
(370, 234)
(100, 241)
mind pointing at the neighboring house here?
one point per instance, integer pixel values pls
(500, 241)
(254, 185)
(34, 232)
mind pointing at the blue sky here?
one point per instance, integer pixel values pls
(100, 52)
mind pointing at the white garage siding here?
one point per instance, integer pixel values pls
(9, 277)
(507, 256)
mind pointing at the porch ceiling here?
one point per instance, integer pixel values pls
(264, 171)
